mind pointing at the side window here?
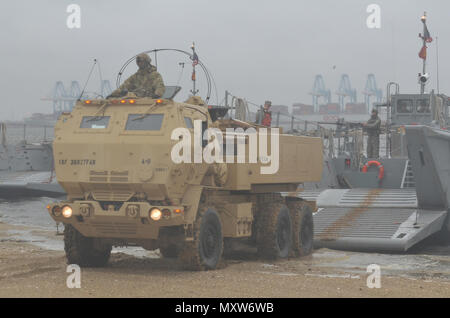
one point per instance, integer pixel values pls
(188, 122)
(144, 122)
(404, 106)
(204, 127)
(423, 106)
(95, 122)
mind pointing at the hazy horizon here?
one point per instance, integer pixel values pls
(257, 50)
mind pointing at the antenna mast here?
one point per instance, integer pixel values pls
(437, 64)
(194, 91)
(424, 20)
(426, 38)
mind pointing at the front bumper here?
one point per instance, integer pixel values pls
(127, 220)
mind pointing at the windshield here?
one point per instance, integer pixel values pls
(423, 106)
(144, 122)
(95, 122)
(404, 106)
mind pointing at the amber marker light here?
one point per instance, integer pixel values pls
(123, 101)
(132, 101)
(177, 211)
(88, 101)
(158, 101)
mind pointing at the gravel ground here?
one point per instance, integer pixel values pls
(29, 268)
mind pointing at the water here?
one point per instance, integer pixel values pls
(38, 228)
(27, 212)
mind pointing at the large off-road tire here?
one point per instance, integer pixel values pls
(303, 228)
(84, 251)
(274, 237)
(205, 251)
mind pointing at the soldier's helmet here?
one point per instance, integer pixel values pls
(144, 59)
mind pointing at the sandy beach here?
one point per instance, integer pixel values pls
(28, 270)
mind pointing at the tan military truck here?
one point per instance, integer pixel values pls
(115, 159)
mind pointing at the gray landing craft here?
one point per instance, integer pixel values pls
(403, 198)
(26, 168)
(394, 209)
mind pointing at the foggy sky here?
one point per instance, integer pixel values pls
(257, 49)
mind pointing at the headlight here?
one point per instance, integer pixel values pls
(155, 214)
(67, 211)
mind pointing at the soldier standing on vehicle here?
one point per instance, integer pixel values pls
(264, 115)
(373, 128)
(146, 82)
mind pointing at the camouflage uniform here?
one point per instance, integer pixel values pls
(373, 127)
(146, 82)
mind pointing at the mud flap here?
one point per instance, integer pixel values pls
(191, 200)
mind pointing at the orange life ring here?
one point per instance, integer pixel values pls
(375, 163)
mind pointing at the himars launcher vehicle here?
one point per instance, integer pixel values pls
(113, 157)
